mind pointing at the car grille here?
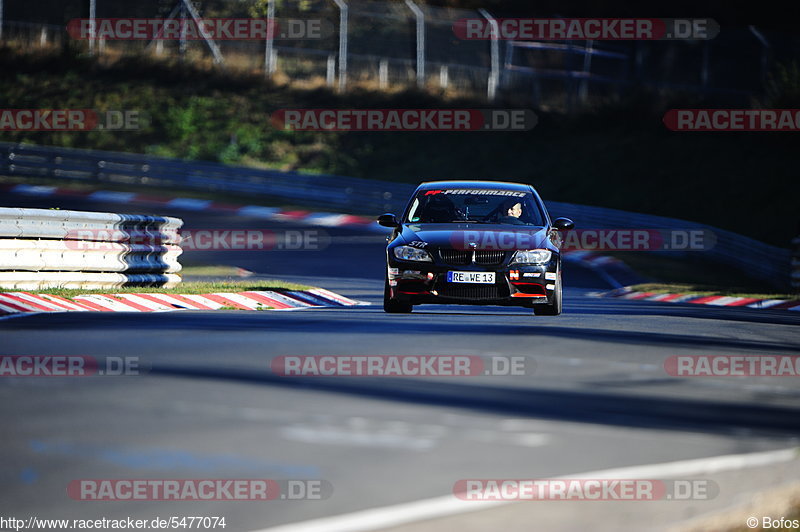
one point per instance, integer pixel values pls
(464, 291)
(458, 257)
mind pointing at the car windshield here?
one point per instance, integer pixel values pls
(479, 205)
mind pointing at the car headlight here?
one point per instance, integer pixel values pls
(532, 256)
(412, 253)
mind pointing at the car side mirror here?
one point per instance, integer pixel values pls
(388, 220)
(563, 224)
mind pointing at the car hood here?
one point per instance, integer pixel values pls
(484, 236)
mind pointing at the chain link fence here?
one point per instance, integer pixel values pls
(407, 43)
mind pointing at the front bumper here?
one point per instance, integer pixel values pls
(515, 285)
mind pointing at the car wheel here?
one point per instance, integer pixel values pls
(554, 308)
(392, 306)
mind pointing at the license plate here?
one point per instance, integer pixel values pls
(470, 277)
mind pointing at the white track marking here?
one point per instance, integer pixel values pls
(392, 516)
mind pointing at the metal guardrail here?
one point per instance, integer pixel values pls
(70, 249)
(352, 194)
(768, 263)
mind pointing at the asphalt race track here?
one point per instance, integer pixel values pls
(598, 396)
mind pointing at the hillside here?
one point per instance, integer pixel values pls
(616, 156)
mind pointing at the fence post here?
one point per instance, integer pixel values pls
(570, 84)
(420, 16)
(92, 24)
(583, 92)
(212, 45)
(383, 73)
(795, 275)
(269, 63)
(638, 62)
(182, 43)
(342, 5)
(765, 47)
(494, 74)
(706, 61)
(331, 73)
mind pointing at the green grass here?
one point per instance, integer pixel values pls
(613, 155)
(183, 288)
(212, 271)
(706, 290)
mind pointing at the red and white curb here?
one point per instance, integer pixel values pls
(697, 299)
(325, 219)
(25, 302)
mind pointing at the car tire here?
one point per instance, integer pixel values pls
(554, 308)
(392, 306)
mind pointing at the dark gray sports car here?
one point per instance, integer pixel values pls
(474, 243)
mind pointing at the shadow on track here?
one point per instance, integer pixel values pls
(608, 409)
(678, 310)
(342, 323)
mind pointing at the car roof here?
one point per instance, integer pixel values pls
(497, 185)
